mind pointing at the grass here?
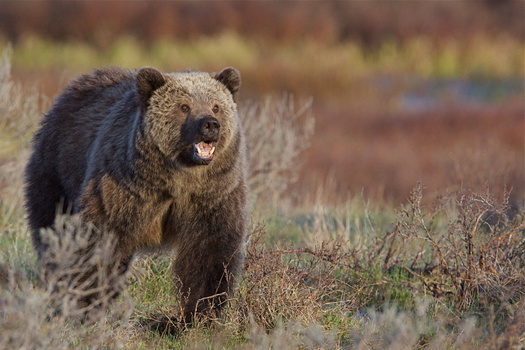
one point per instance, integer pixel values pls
(441, 272)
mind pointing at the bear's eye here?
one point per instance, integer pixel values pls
(215, 109)
(185, 108)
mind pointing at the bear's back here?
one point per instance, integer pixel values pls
(95, 92)
(71, 126)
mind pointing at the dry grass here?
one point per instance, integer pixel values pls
(18, 109)
(477, 258)
(274, 152)
(80, 268)
(50, 315)
(18, 118)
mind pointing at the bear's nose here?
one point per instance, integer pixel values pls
(209, 127)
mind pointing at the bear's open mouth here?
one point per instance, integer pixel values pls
(205, 150)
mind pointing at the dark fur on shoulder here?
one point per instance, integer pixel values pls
(156, 159)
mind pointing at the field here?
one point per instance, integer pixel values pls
(389, 216)
(446, 114)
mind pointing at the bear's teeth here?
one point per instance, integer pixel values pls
(205, 150)
(199, 149)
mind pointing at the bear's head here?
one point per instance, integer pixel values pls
(191, 117)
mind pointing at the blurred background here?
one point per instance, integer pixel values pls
(402, 91)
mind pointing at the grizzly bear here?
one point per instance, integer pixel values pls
(158, 160)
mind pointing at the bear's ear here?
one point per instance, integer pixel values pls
(231, 78)
(149, 80)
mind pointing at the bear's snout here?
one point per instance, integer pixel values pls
(207, 137)
(209, 128)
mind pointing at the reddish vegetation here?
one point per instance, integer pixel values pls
(385, 153)
(101, 22)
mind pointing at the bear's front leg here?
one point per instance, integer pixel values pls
(208, 260)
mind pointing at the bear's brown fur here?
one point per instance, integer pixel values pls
(157, 159)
